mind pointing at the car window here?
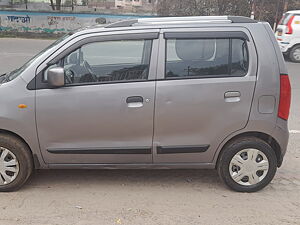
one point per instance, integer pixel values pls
(285, 19)
(206, 58)
(108, 61)
(12, 75)
(239, 60)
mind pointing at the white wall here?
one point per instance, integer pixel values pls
(38, 22)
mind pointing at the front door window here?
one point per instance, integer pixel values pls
(110, 61)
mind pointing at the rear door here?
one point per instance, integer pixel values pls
(204, 91)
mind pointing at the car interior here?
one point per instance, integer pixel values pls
(78, 69)
(206, 57)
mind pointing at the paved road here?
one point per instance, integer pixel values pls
(149, 197)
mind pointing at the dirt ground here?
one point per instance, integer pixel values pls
(162, 197)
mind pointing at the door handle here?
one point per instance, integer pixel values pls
(135, 101)
(232, 96)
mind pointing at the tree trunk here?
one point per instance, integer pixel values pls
(286, 3)
(52, 5)
(58, 4)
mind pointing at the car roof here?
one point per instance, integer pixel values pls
(165, 22)
(294, 11)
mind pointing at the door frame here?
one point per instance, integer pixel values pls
(153, 34)
(37, 84)
(162, 152)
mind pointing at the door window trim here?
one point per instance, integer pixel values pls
(37, 82)
(230, 35)
(208, 35)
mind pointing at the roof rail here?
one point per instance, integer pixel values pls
(241, 19)
(123, 23)
(181, 20)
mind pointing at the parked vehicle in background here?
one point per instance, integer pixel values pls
(185, 92)
(288, 35)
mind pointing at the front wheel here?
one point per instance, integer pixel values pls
(15, 163)
(247, 165)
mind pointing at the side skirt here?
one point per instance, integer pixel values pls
(134, 166)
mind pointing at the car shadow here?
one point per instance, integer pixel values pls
(83, 178)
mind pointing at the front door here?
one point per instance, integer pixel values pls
(104, 113)
(204, 92)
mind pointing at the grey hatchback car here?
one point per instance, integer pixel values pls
(155, 93)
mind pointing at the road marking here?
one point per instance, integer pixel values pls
(295, 131)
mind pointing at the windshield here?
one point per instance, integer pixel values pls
(12, 75)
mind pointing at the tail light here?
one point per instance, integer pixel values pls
(289, 26)
(285, 97)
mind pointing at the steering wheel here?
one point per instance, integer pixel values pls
(89, 69)
(69, 76)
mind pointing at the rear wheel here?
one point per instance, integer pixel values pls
(247, 164)
(295, 54)
(15, 163)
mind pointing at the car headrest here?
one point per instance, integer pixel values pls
(237, 53)
(73, 59)
(188, 50)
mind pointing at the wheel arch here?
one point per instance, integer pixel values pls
(291, 48)
(297, 44)
(263, 136)
(35, 160)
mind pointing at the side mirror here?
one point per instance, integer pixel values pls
(56, 77)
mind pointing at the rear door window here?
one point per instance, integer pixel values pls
(207, 57)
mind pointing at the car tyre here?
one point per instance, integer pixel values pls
(294, 54)
(243, 148)
(16, 163)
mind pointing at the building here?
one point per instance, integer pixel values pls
(101, 4)
(138, 5)
(123, 4)
(104, 6)
(4, 3)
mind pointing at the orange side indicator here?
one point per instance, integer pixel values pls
(22, 106)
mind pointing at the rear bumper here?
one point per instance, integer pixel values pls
(280, 160)
(282, 138)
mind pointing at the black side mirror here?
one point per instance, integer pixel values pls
(56, 77)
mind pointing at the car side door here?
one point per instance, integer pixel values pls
(104, 113)
(204, 91)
